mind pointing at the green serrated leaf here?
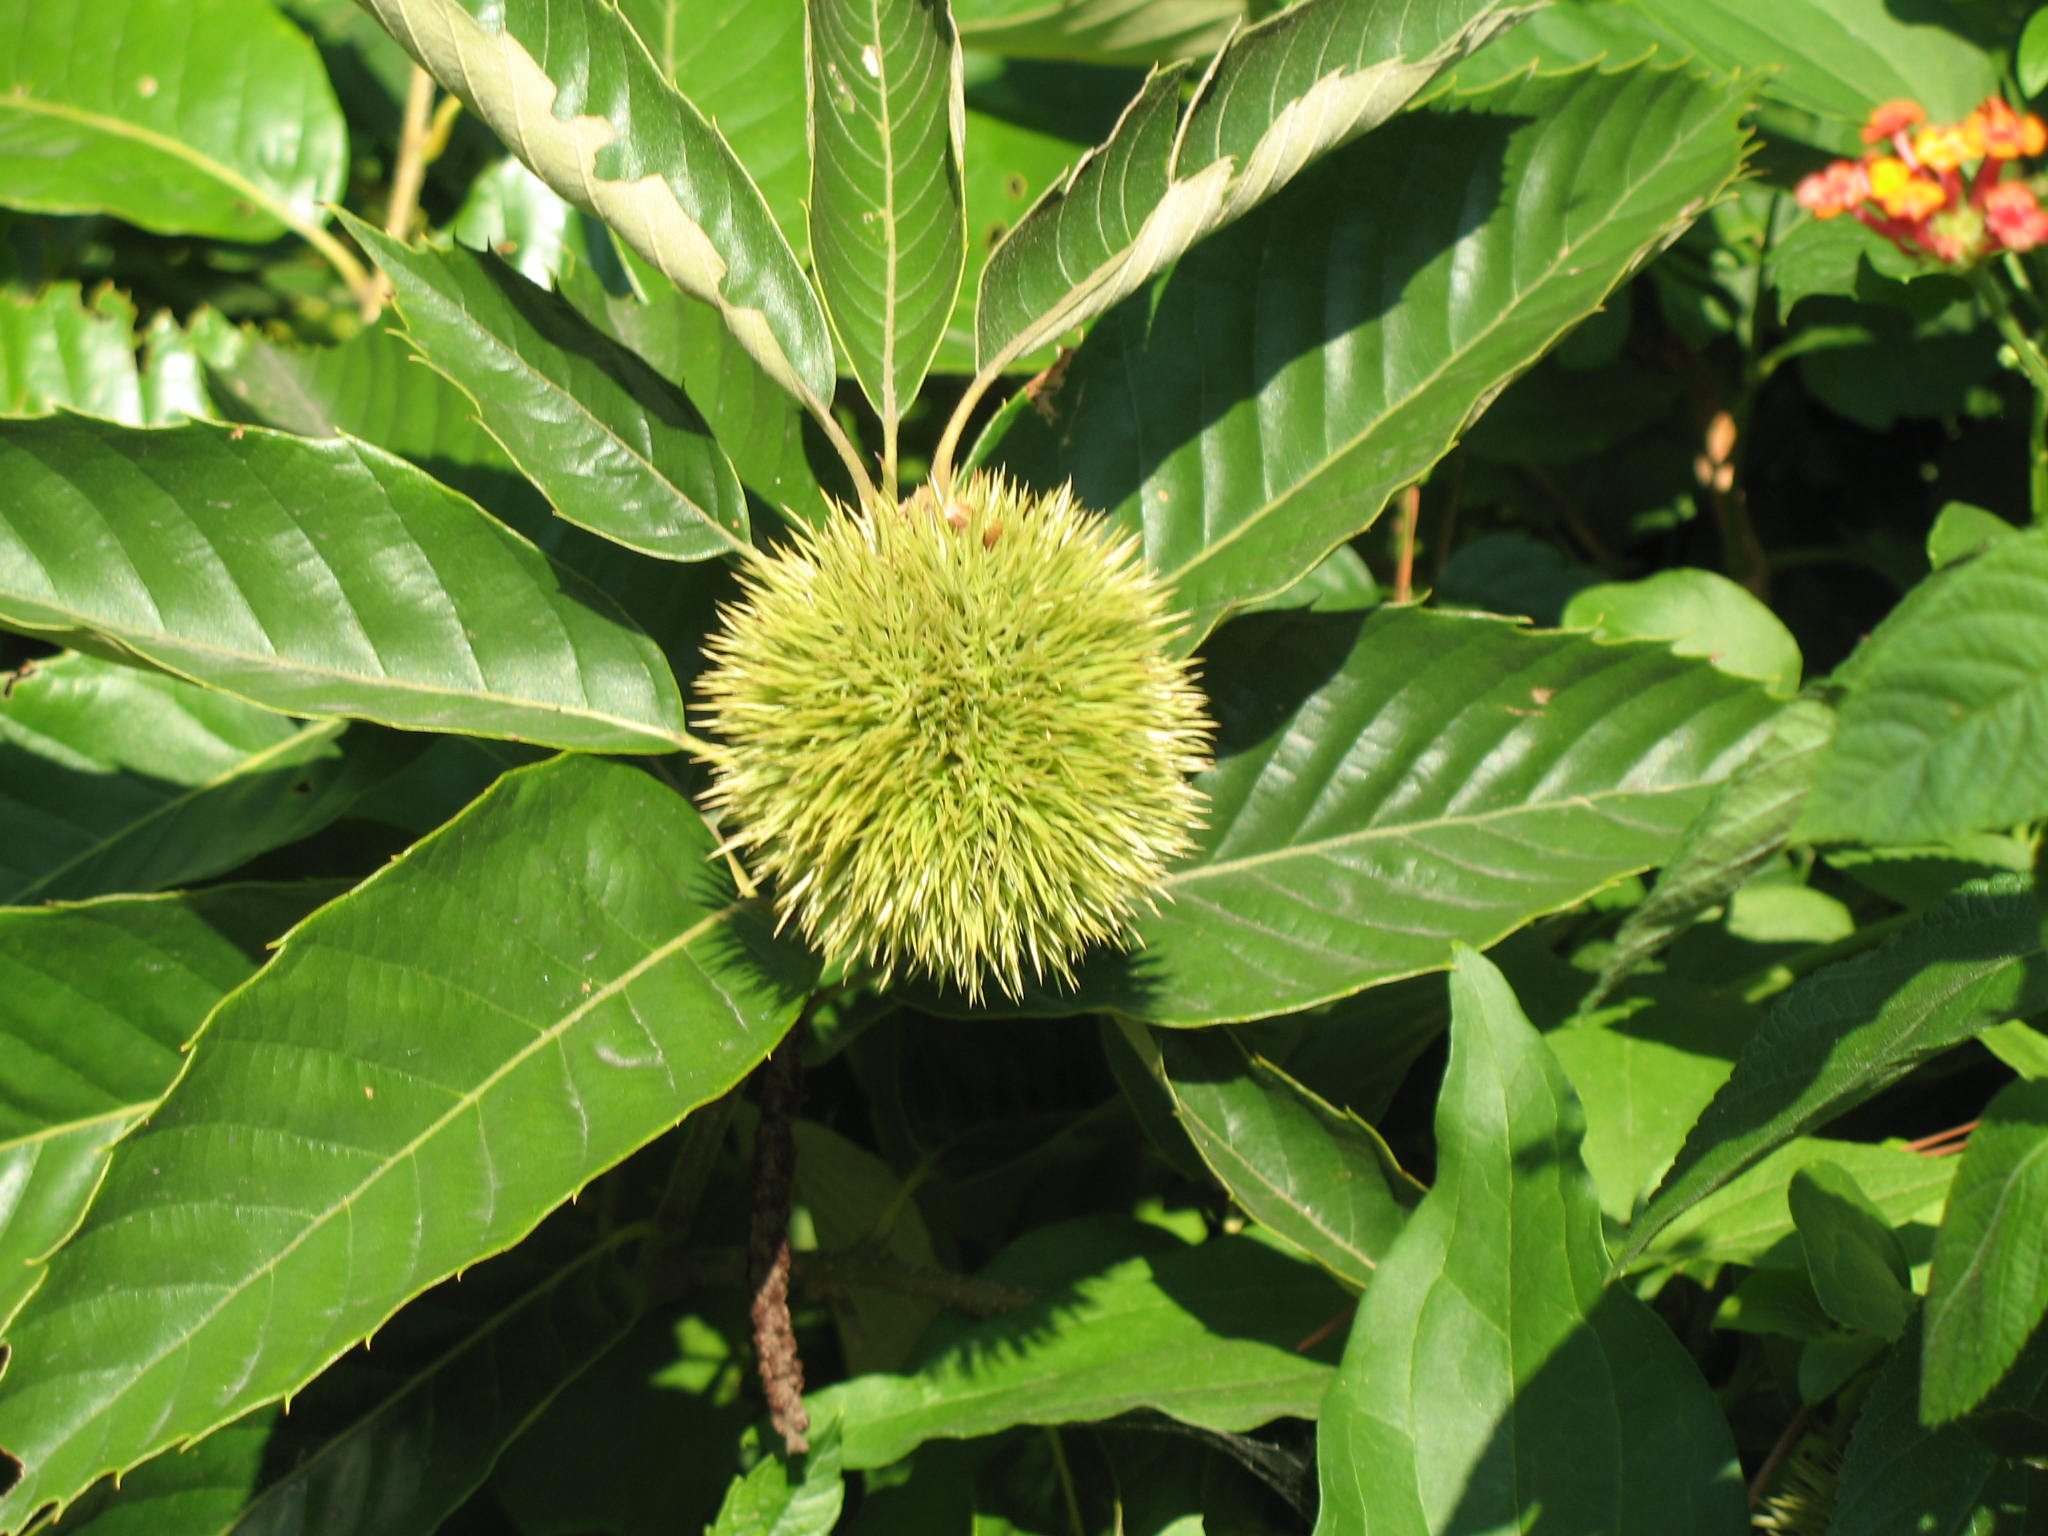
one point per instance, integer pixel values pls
(1574, 1407)
(114, 780)
(617, 448)
(1852, 1029)
(774, 1499)
(888, 221)
(390, 1441)
(1955, 677)
(1206, 1334)
(1858, 1269)
(742, 63)
(1989, 1288)
(61, 349)
(574, 92)
(1263, 403)
(97, 1001)
(1143, 32)
(1837, 58)
(429, 1066)
(1335, 860)
(1283, 94)
(1322, 1181)
(1745, 823)
(209, 120)
(316, 578)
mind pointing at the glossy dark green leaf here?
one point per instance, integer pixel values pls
(1282, 95)
(209, 120)
(780, 1499)
(1746, 823)
(316, 578)
(1206, 1334)
(888, 221)
(97, 1001)
(1849, 1030)
(393, 1438)
(618, 449)
(117, 780)
(1294, 372)
(1391, 783)
(1955, 678)
(1989, 1288)
(1494, 1381)
(429, 1066)
(760, 428)
(573, 91)
(1858, 1269)
(1310, 1174)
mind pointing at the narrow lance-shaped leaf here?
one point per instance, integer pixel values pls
(1388, 784)
(1281, 95)
(571, 89)
(888, 223)
(1493, 1381)
(1295, 371)
(212, 119)
(316, 578)
(96, 1003)
(618, 449)
(430, 1065)
(1989, 1289)
(1848, 1031)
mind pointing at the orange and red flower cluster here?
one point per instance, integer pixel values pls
(1919, 188)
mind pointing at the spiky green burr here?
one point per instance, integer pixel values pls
(954, 736)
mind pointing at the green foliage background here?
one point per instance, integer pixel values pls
(1589, 561)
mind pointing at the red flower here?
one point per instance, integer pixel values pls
(2015, 216)
(1893, 117)
(2004, 133)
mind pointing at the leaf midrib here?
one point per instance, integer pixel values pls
(1321, 846)
(141, 647)
(491, 341)
(177, 149)
(250, 764)
(399, 1157)
(1503, 319)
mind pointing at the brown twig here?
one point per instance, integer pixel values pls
(1942, 1143)
(768, 1255)
(409, 173)
(1404, 569)
(1794, 1433)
